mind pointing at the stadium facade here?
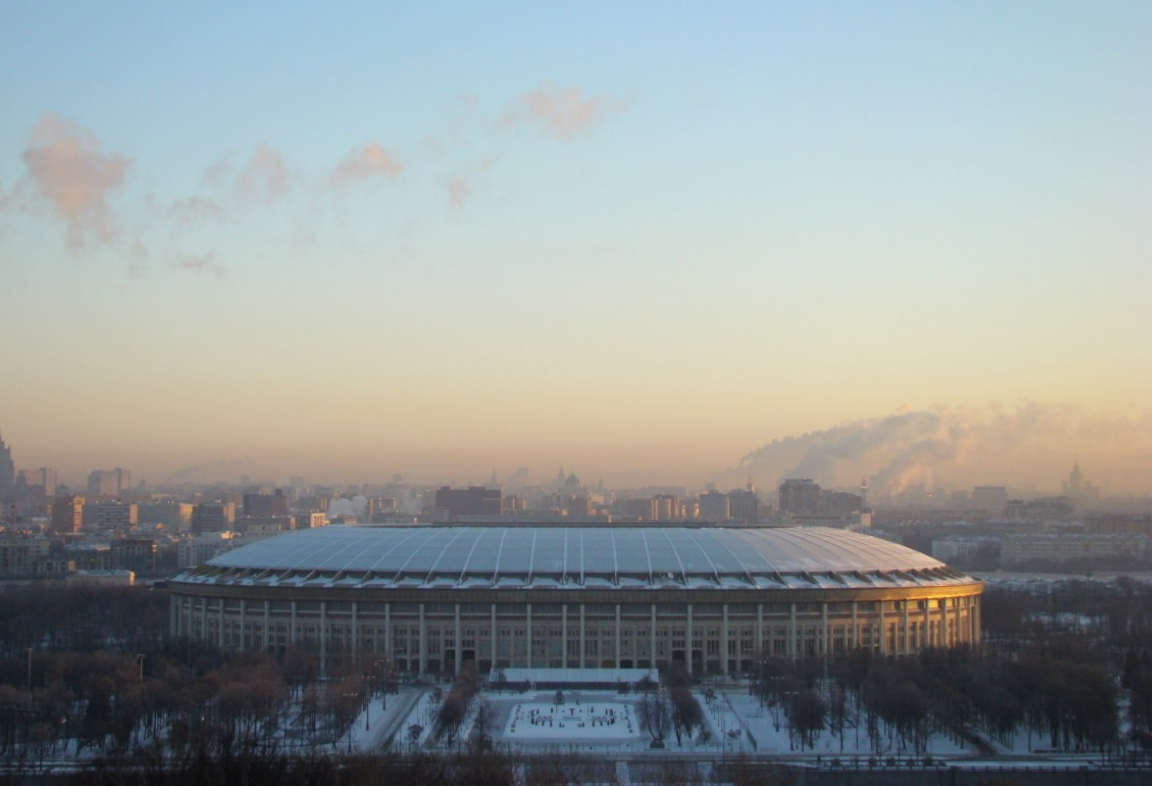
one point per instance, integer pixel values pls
(431, 598)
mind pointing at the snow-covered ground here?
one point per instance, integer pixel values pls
(598, 721)
(769, 732)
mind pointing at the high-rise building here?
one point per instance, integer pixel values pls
(744, 506)
(109, 482)
(472, 501)
(44, 477)
(799, 496)
(213, 517)
(274, 504)
(67, 514)
(714, 506)
(993, 498)
(7, 473)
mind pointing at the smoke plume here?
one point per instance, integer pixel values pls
(910, 445)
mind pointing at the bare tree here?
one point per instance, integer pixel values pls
(654, 715)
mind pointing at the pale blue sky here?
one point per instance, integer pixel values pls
(747, 220)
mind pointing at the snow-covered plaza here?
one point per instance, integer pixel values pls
(592, 721)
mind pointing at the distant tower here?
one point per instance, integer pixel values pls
(1073, 486)
(7, 473)
(864, 493)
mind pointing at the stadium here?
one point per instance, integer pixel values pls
(430, 598)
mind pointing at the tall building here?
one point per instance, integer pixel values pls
(990, 497)
(472, 501)
(109, 482)
(799, 496)
(714, 506)
(44, 477)
(213, 517)
(744, 506)
(274, 504)
(7, 473)
(67, 514)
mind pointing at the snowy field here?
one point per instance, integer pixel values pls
(756, 731)
(594, 721)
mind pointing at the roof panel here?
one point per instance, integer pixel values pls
(482, 552)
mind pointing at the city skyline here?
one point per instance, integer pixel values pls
(659, 243)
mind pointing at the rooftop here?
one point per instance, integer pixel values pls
(575, 558)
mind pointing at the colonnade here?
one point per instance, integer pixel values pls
(705, 636)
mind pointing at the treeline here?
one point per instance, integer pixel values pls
(1062, 664)
(231, 763)
(95, 670)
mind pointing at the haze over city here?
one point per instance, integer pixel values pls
(657, 243)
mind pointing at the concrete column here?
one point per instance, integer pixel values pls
(243, 620)
(355, 632)
(528, 648)
(792, 633)
(564, 634)
(907, 626)
(883, 630)
(493, 640)
(204, 619)
(978, 632)
(944, 622)
(724, 640)
(174, 616)
(688, 641)
(423, 641)
(855, 628)
(652, 640)
(323, 631)
(389, 649)
(459, 642)
(292, 630)
(582, 636)
(761, 648)
(267, 626)
(925, 637)
(220, 625)
(824, 629)
(617, 635)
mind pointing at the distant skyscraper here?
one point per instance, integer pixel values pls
(7, 473)
(799, 496)
(274, 504)
(67, 514)
(43, 477)
(714, 506)
(472, 501)
(109, 482)
(213, 517)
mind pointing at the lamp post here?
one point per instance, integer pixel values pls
(368, 694)
(29, 649)
(140, 657)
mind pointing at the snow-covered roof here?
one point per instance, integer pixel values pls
(480, 557)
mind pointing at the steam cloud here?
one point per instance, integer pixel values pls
(368, 162)
(265, 176)
(563, 112)
(66, 167)
(908, 444)
(342, 506)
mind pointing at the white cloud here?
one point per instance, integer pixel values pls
(66, 168)
(563, 112)
(370, 161)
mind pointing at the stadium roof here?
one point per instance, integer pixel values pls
(576, 558)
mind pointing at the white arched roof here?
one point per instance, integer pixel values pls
(575, 557)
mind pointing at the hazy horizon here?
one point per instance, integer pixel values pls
(656, 243)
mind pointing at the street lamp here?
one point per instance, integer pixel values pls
(368, 694)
